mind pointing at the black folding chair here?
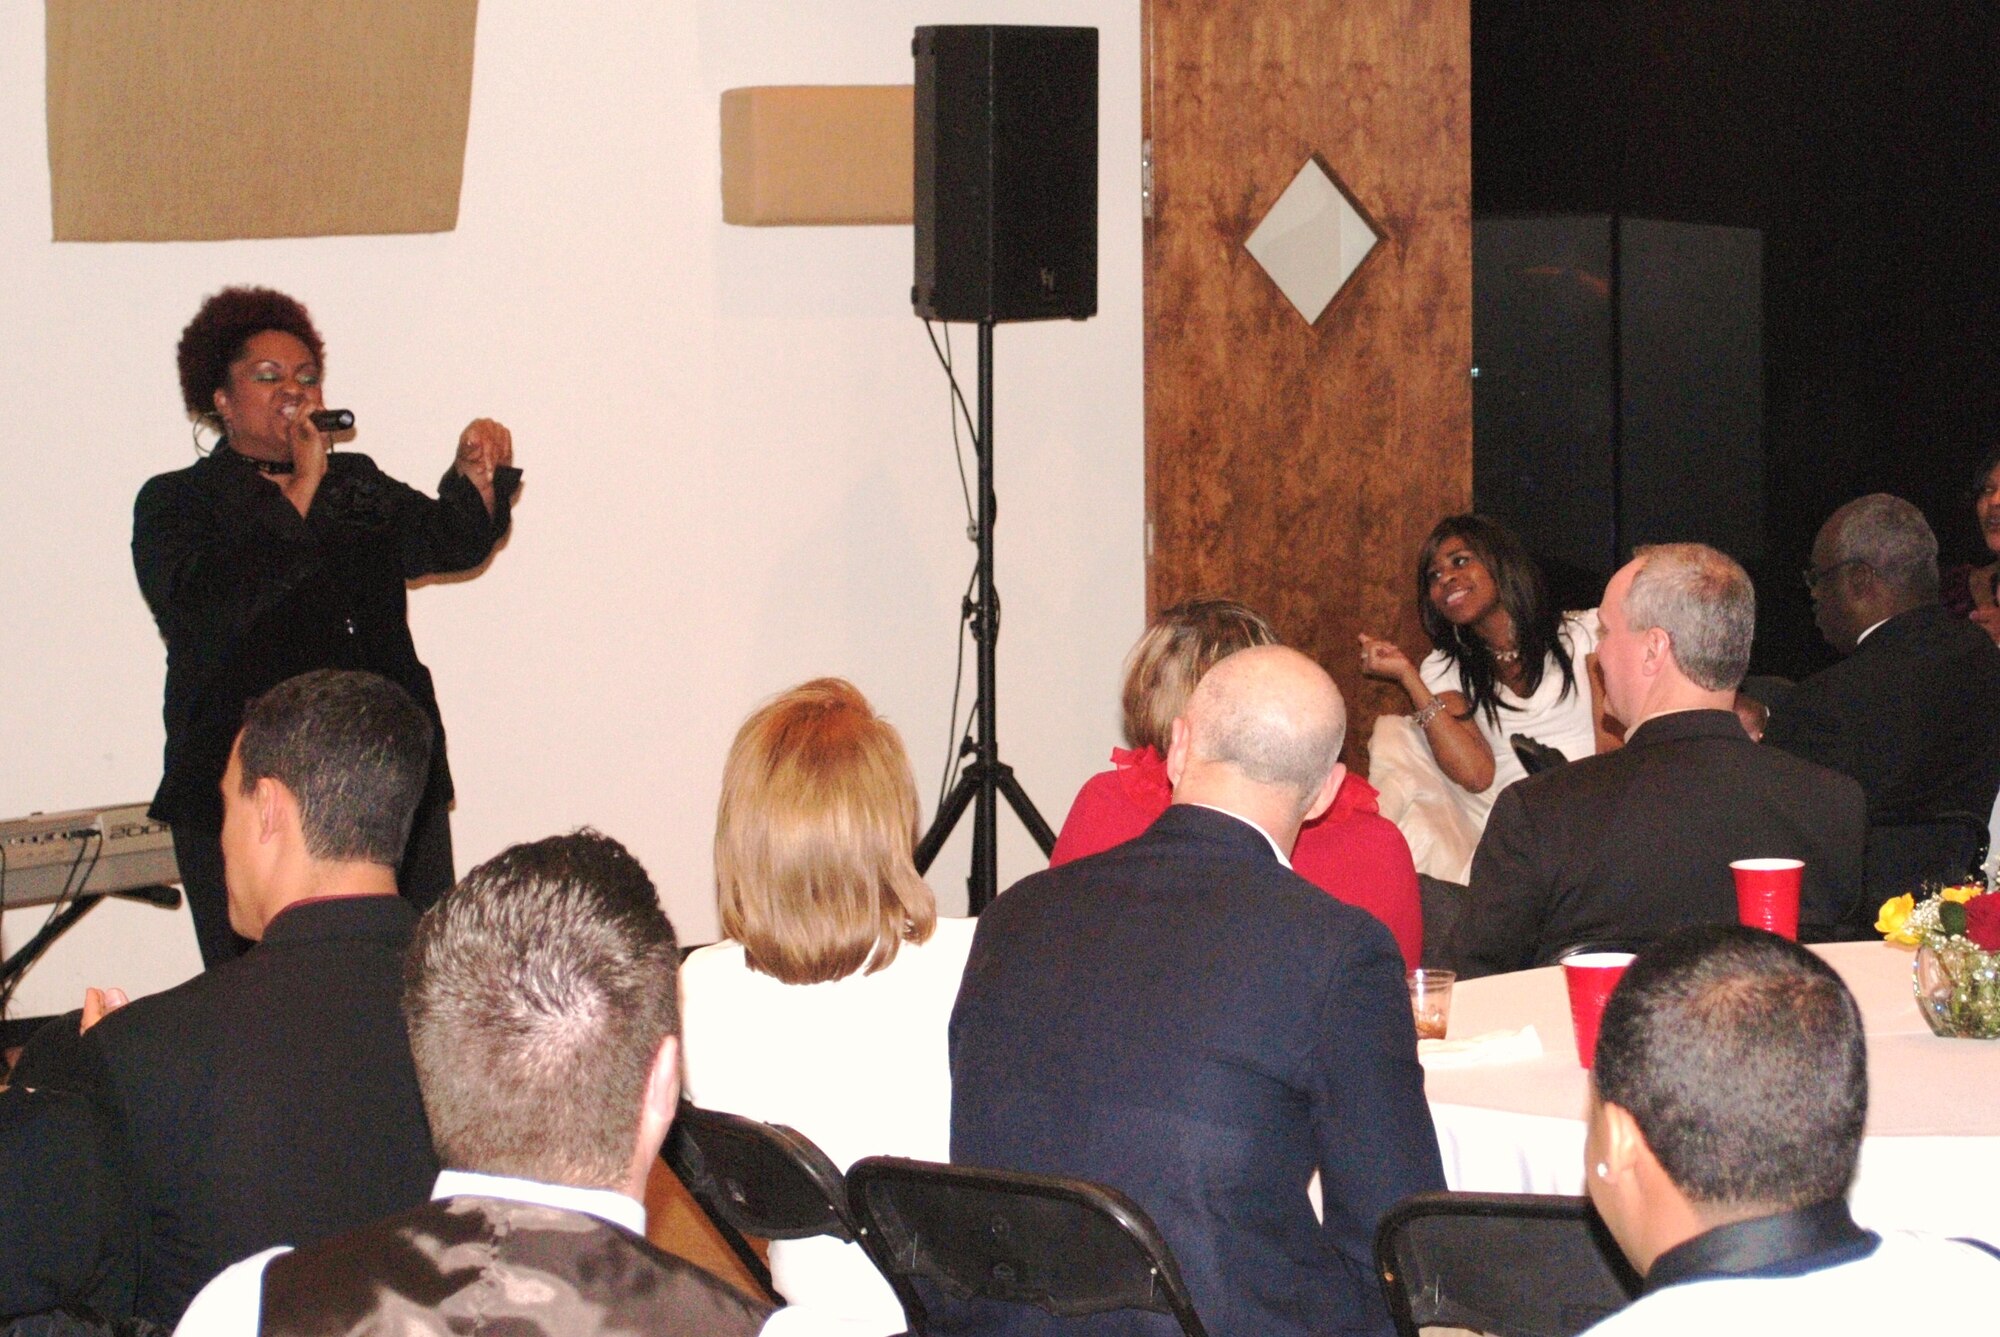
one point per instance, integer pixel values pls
(757, 1179)
(1065, 1245)
(1510, 1264)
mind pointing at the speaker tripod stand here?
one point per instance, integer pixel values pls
(986, 777)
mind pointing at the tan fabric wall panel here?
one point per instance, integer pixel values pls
(806, 154)
(212, 119)
(1296, 466)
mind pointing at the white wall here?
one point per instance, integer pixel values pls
(738, 455)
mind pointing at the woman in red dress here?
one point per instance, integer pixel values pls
(1351, 852)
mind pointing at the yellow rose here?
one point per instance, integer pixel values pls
(1893, 922)
(1964, 893)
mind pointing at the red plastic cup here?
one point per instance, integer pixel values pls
(1767, 894)
(1591, 977)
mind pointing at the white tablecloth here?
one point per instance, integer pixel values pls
(1931, 1160)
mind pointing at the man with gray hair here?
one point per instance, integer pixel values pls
(1624, 847)
(1913, 710)
(544, 1018)
(1186, 1019)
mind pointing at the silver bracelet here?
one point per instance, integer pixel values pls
(1430, 712)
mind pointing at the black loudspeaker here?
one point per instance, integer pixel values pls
(1006, 160)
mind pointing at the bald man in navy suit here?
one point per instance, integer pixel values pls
(1189, 1021)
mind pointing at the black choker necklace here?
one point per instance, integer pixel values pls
(261, 466)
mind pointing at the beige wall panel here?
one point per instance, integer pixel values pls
(806, 155)
(210, 119)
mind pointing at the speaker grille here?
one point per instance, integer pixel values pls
(1006, 172)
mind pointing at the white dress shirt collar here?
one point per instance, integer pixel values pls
(603, 1203)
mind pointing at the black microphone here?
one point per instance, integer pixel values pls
(333, 420)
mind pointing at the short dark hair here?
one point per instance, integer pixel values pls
(1740, 1056)
(537, 993)
(215, 338)
(355, 751)
(1987, 464)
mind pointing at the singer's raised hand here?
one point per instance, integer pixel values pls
(310, 447)
(483, 447)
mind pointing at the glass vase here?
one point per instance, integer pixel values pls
(1958, 988)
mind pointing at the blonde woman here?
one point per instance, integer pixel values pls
(826, 1008)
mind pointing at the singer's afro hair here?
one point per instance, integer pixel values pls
(216, 335)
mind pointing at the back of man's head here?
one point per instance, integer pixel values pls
(1704, 601)
(353, 749)
(1740, 1057)
(538, 992)
(1272, 716)
(1891, 538)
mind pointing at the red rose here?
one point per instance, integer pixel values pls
(1982, 922)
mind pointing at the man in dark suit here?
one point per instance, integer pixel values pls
(543, 1005)
(1626, 846)
(272, 1099)
(1187, 1020)
(1913, 710)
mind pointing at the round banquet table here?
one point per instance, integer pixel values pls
(1931, 1159)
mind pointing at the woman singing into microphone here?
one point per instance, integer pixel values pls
(273, 555)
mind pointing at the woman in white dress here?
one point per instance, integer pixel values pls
(826, 1009)
(1505, 662)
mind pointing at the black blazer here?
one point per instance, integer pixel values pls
(1913, 714)
(271, 1100)
(63, 1214)
(1632, 844)
(1184, 1019)
(247, 593)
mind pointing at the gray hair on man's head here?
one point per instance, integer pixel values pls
(1274, 716)
(538, 993)
(1890, 537)
(1704, 601)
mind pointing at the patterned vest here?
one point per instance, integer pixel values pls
(472, 1264)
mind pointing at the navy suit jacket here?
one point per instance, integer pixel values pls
(1188, 1021)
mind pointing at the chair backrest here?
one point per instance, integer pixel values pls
(1510, 1264)
(1067, 1246)
(763, 1179)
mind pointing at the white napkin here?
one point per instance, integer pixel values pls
(1492, 1047)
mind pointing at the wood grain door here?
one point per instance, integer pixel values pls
(1298, 467)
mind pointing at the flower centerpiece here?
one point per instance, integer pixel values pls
(1957, 973)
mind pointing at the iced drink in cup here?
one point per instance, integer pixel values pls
(1430, 999)
(1767, 894)
(1591, 976)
